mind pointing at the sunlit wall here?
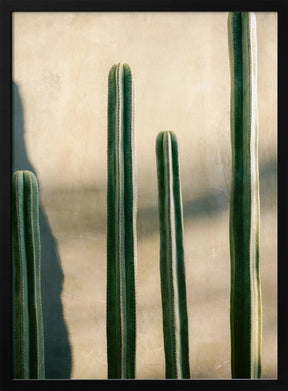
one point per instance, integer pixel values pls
(182, 78)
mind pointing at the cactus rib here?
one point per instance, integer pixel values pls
(172, 267)
(245, 298)
(121, 225)
(28, 321)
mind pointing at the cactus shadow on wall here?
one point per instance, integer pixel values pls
(214, 201)
(56, 340)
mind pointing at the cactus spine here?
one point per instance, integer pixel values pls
(121, 225)
(245, 308)
(28, 321)
(172, 267)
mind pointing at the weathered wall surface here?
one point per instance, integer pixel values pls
(181, 69)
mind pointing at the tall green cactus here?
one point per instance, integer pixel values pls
(245, 309)
(27, 306)
(121, 225)
(172, 267)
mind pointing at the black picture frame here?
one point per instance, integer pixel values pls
(7, 7)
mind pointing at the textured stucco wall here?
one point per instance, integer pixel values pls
(182, 78)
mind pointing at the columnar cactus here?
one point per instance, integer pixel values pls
(172, 267)
(121, 225)
(28, 322)
(245, 313)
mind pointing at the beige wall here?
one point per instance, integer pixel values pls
(182, 78)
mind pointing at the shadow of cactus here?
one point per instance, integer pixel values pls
(56, 339)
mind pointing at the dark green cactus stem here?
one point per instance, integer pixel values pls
(121, 225)
(28, 322)
(172, 267)
(245, 308)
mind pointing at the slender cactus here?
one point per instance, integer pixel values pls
(172, 267)
(121, 225)
(245, 304)
(28, 321)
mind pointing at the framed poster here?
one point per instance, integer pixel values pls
(55, 125)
